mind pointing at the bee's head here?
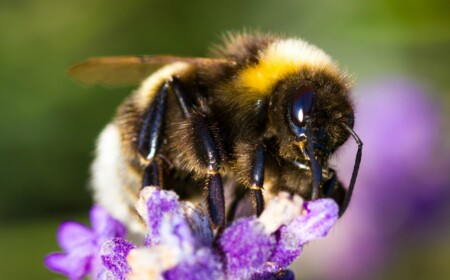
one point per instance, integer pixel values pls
(306, 92)
(310, 106)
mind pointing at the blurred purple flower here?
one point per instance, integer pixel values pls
(81, 245)
(401, 187)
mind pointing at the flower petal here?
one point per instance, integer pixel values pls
(176, 245)
(72, 235)
(320, 216)
(288, 248)
(105, 226)
(176, 233)
(114, 256)
(153, 204)
(57, 262)
(105, 275)
(75, 265)
(203, 265)
(246, 247)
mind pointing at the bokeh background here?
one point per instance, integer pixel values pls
(399, 52)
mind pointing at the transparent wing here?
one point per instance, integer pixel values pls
(128, 70)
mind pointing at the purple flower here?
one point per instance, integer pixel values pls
(203, 264)
(250, 248)
(81, 245)
(319, 218)
(114, 257)
(153, 204)
(247, 247)
(180, 243)
(402, 184)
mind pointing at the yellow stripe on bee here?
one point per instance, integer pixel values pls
(281, 59)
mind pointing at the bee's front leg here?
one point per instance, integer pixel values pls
(149, 140)
(152, 174)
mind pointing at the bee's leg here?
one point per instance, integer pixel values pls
(216, 199)
(184, 102)
(153, 174)
(149, 139)
(257, 179)
(205, 149)
(198, 143)
(143, 139)
(209, 156)
(250, 170)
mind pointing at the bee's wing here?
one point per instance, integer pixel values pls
(128, 70)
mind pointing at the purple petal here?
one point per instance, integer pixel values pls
(159, 203)
(72, 234)
(288, 248)
(246, 247)
(105, 226)
(203, 265)
(175, 231)
(321, 215)
(57, 262)
(75, 265)
(114, 256)
(105, 275)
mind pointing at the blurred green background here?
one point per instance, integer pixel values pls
(49, 123)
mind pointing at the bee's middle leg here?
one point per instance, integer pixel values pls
(196, 139)
(202, 154)
(250, 170)
(257, 179)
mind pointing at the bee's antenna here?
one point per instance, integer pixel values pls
(355, 168)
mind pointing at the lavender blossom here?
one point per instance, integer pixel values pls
(180, 243)
(246, 247)
(178, 253)
(81, 245)
(153, 204)
(113, 254)
(250, 248)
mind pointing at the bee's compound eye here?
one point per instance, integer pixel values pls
(302, 103)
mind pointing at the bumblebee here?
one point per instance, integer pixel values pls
(264, 112)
